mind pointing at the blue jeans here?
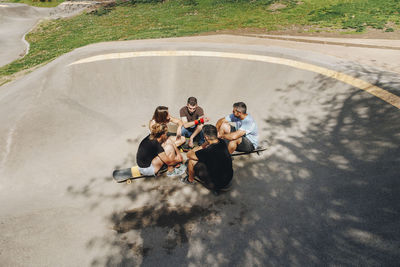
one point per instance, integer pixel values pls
(187, 132)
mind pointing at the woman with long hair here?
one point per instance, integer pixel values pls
(154, 152)
(162, 116)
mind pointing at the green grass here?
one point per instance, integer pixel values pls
(38, 3)
(358, 14)
(128, 21)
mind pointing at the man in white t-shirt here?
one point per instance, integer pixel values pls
(244, 135)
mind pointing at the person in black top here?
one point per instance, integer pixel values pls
(211, 162)
(154, 152)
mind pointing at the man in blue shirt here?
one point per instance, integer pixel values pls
(244, 135)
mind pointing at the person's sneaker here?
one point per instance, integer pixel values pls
(172, 174)
(180, 170)
(185, 180)
(177, 171)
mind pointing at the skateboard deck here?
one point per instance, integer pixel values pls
(129, 174)
(257, 150)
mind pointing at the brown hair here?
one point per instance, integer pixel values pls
(210, 131)
(192, 101)
(241, 107)
(157, 130)
(161, 114)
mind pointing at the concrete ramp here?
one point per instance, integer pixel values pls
(326, 192)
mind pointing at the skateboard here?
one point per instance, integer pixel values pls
(127, 175)
(258, 150)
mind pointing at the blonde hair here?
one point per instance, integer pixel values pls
(157, 130)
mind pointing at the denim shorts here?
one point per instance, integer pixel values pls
(148, 171)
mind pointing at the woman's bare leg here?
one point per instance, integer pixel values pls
(157, 164)
(169, 150)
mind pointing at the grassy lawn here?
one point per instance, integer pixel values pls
(128, 21)
(38, 3)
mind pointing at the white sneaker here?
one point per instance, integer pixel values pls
(177, 171)
(180, 170)
(172, 174)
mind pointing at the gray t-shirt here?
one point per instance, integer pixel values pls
(248, 125)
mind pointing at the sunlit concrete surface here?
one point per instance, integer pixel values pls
(325, 193)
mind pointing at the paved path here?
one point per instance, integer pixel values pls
(16, 20)
(325, 193)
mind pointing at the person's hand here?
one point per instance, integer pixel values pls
(191, 142)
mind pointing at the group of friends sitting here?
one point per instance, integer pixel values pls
(210, 162)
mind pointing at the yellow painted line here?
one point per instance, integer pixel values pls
(355, 82)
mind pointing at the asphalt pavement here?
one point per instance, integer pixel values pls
(326, 192)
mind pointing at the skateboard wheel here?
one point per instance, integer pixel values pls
(129, 181)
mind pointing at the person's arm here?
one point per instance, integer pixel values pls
(179, 129)
(196, 132)
(233, 135)
(192, 153)
(186, 124)
(247, 127)
(219, 123)
(201, 120)
(171, 161)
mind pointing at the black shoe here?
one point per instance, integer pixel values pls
(185, 180)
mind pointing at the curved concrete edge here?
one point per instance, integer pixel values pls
(328, 65)
(365, 43)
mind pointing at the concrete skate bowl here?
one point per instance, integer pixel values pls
(325, 192)
(15, 21)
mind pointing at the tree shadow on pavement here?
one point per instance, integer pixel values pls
(325, 193)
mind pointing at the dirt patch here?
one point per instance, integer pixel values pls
(276, 6)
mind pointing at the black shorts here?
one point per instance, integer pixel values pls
(201, 172)
(246, 145)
